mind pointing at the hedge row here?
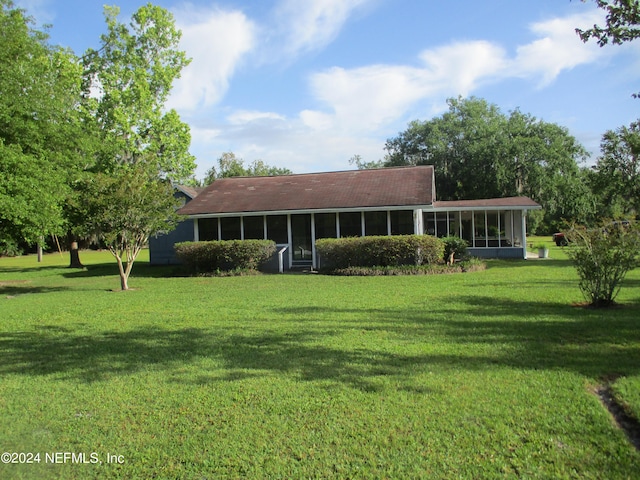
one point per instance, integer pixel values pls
(379, 251)
(226, 255)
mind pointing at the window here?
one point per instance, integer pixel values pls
(230, 228)
(454, 224)
(494, 233)
(325, 225)
(437, 224)
(402, 222)
(207, 229)
(467, 230)
(441, 224)
(350, 224)
(253, 228)
(277, 228)
(506, 226)
(480, 229)
(375, 223)
(429, 223)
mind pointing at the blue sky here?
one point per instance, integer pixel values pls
(308, 84)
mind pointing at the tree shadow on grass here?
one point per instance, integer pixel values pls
(528, 335)
(99, 357)
(13, 289)
(592, 342)
(110, 269)
(484, 333)
(50, 351)
(30, 269)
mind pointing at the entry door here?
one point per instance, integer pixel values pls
(301, 238)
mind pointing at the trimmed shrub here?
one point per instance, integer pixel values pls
(454, 248)
(226, 255)
(379, 251)
(603, 256)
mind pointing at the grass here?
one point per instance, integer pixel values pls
(487, 374)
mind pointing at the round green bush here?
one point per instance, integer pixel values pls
(225, 255)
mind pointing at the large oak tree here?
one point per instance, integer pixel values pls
(41, 130)
(479, 152)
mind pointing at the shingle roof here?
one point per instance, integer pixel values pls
(385, 187)
(190, 191)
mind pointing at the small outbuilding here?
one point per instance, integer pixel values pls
(296, 210)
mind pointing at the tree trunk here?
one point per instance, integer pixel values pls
(39, 249)
(124, 281)
(124, 277)
(74, 256)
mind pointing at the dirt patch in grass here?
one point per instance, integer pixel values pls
(624, 420)
(10, 288)
(6, 283)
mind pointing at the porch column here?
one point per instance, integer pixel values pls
(290, 239)
(196, 231)
(524, 233)
(313, 241)
(418, 223)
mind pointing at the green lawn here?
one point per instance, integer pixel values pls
(478, 375)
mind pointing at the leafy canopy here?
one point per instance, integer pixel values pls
(615, 179)
(41, 129)
(622, 23)
(479, 152)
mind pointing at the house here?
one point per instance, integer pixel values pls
(296, 210)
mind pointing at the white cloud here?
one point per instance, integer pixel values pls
(312, 24)
(217, 41)
(558, 48)
(459, 67)
(356, 108)
(249, 116)
(368, 98)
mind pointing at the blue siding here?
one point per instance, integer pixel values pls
(161, 251)
(510, 252)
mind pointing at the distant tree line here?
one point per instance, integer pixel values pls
(479, 152)
(228, 165)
